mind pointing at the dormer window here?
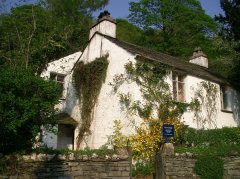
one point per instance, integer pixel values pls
(178, 87)
(226, 99)
(59, 78)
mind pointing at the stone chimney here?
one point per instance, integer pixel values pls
(105, 25)
(199, 58)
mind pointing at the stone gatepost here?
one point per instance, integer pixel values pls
(167, 149)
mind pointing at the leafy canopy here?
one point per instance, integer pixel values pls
(230, 21)
(172, 26)
(33, 35)
(27, 102)
(231, 33)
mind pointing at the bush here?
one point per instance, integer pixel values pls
(27, 102)
(210, 137)
(209, 167)
(142, 169)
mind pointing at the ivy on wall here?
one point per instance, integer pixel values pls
(88, 80)
(155, 107)
(205, 108)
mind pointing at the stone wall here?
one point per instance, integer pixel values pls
(67, 167)
(180, 166)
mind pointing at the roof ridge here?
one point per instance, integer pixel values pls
(191, 68)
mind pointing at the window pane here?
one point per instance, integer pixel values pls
(52, 76)
(60, 78)
(180, 78)
(174, 90)
(227, 103)
(181, 92)
(174, 76)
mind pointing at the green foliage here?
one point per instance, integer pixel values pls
(33, 35)
(28, 37)
(27, 102)
(155, 91)
(142, 169)
(117, 139)
(101, 152)
(221, 150)
(229, 26)
(88, 80)
(205, 102)
(208, 167)
(230, 21)
(75, 8)
(2, 163)
(210, 137)
(172, 26)
(155, 105)
(129, 32)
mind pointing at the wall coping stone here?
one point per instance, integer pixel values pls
(63, 157)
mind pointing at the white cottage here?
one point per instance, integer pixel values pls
(186, 81)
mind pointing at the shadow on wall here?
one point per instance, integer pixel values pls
(236, 107)
(71, 98)
(51, 169)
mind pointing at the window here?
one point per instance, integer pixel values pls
(178, 87)
(226, 98)
(59, 78)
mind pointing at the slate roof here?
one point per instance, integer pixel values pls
(176, 63)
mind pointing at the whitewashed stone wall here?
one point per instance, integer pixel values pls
(108, 107)
(223, 119)
(61, 66)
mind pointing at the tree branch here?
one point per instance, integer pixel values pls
(30, 38)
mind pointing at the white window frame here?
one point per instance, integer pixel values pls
(223, 95)
(61, 82)
(178, 79)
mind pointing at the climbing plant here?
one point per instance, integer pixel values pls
(146, 142)
(155, 107)
(156, 96)
(205, 109)
(88, 80)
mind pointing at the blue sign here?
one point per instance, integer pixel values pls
(168, 130)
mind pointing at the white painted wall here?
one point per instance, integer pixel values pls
(61, 66)
(223, 119)
(106, 27)
(108, 107)
(202, 61)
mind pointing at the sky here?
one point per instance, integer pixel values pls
(119, 8)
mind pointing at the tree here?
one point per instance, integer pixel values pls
(33, 35)
(230, 32)
(26, 103)
(74, 8)
(128, 32)
(175, 27)
(230, 21)
(28, 37)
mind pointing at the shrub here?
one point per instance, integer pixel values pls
(142, 169)
(210, 137)
(27, 102)
(209, 167)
